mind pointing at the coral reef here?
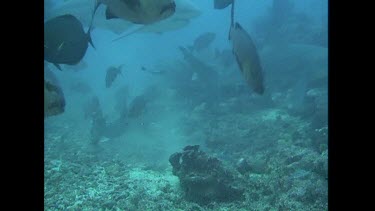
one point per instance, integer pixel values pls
(203, 178)
(279, 158)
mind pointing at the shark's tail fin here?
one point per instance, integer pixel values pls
(97, 3)
(231, 19)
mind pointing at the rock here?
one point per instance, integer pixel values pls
(203, 178)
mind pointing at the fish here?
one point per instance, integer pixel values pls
(137, 106)
(121, 100)
(138, 11)
(112, 73)
(186, 10)
(65, 41)
(202, 70)
(247, 57)
(221, 4)
(203, 41)
(54, 100)
(83, 9)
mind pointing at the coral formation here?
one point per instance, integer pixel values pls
(203, 178)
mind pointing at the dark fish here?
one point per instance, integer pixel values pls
(202, 70)
(137, 106)
(247, 57)
(92, 108)
(54, 101)
(112, 74)
(203, 41)
(98, 123)
(221, 4)
(139, 11)
(121, 100)
(65, 42)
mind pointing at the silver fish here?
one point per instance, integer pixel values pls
(247, 57)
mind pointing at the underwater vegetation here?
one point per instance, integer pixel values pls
(186, 105)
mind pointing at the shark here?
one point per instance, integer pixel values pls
(185, 11)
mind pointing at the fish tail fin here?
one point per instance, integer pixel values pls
(231, 19)
(89, 38)
(89, 32)
(232, 14)
(97, 4)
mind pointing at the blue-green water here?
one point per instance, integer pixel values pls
(114, 155)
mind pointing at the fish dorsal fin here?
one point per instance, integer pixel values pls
(109, 15)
